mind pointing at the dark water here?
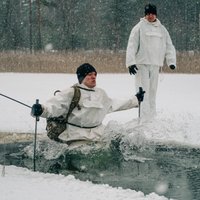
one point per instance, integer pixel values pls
(170, 171)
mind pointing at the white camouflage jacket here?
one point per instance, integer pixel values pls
(94, 104)
(149, 44)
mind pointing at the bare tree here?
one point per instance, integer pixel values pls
(30, 27)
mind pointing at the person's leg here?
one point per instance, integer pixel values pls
(154, 74)
(142, 79)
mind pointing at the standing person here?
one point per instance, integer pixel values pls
(85, 121)
(148, 46)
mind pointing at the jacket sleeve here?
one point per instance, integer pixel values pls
(58, 105)
(170, 51)
(125, 104)
(133, 46)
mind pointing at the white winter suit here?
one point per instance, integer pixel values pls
(148, 46)
(94, 104)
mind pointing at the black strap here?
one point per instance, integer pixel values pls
(82, 126)
(74, 102)
(68, 142)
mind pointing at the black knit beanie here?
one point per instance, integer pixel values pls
(150, 9)
(83, 70)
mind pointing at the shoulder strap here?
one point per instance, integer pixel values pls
(75, 101)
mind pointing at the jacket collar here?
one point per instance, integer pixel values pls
(84, 87)
(156, 23)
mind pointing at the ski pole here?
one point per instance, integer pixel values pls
(35, 138)
(141, 91)
(4, 159)
(15, 100)
(139, 104)
(36, 120)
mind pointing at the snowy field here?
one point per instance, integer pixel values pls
(177, 123)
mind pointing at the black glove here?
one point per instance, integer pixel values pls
(140, 94)
(36, 110)
(133, 69)
(172, 67)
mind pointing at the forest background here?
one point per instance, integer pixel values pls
(58, 35)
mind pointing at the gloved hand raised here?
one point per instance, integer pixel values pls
(36, 110)
(140, 94)
(172, 67)
(133, 69)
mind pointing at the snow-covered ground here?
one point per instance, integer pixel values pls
(177, 123)
(22, 184)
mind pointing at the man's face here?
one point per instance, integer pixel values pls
(151, 17)
(90, 80)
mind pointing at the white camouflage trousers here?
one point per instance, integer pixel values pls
(147, 78)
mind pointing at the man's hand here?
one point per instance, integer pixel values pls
(140, 94)
(172, 67)
(36, 110)
(133, 69)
